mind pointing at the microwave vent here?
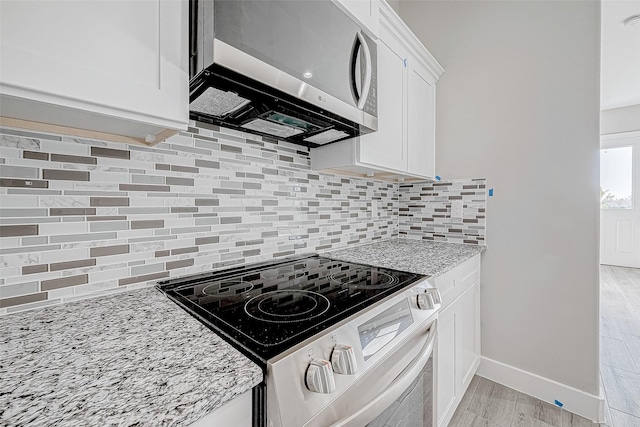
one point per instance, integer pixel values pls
(216, 102)
(270, 128)
(327, 136)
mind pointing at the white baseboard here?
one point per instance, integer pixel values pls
(584, 404)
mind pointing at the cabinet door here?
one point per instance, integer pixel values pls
(386, 147)
(446, 376)
(125, 59)
(236, 412)
(420, 121)
(467, 336)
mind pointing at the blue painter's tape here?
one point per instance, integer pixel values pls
(491, 192)
(557, 402)
(438, 178)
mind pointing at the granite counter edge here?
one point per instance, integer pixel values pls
(347, 256)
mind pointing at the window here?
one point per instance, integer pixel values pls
(616, 178)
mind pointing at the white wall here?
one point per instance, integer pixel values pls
(519, 104)
(618, 120)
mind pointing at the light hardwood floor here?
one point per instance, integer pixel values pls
(620, 344)
(488, 404)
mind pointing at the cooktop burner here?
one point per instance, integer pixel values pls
(287, 306)
(365, 278)
(267, 308)
(228, 288)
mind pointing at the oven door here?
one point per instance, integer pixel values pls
(398, 391)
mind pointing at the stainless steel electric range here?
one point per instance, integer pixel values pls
(340, 343)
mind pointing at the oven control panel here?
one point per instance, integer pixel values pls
(380, 330)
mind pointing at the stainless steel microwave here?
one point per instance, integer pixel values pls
(300, 71)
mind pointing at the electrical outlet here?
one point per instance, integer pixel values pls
(456, 209)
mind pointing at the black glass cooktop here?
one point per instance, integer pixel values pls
(265, 309)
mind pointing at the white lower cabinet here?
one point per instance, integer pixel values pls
(446, 372)
(458, 349)
(467, 335)
(236, 413)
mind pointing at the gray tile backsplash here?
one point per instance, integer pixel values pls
(81, 217)
(425, 211)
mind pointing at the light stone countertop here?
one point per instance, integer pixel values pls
(134, 358)
(415, 256)
(137, 358)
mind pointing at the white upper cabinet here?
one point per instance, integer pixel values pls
(404, 145)
(366, 12)
(421, 130)
(386, 146)
(117, 67)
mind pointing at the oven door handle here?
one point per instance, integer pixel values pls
(395, 389)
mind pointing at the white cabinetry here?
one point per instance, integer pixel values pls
(366, 12)
(446, 373)
(421, 130)
(404, 144)
(387, 146)
(114, 67)
(458, 349)
(236, 412)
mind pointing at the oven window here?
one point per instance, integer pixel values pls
(383, 328)
(414, 407)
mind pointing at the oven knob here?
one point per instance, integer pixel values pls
(319, 377)
(343, 360)
(435, 295)
(424, 301)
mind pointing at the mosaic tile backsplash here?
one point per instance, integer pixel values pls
(426, 212)
(80, 218)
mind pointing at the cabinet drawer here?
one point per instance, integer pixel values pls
(454, 282)
(469, 272)
(447, 285)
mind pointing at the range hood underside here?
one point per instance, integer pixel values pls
(226, 98)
